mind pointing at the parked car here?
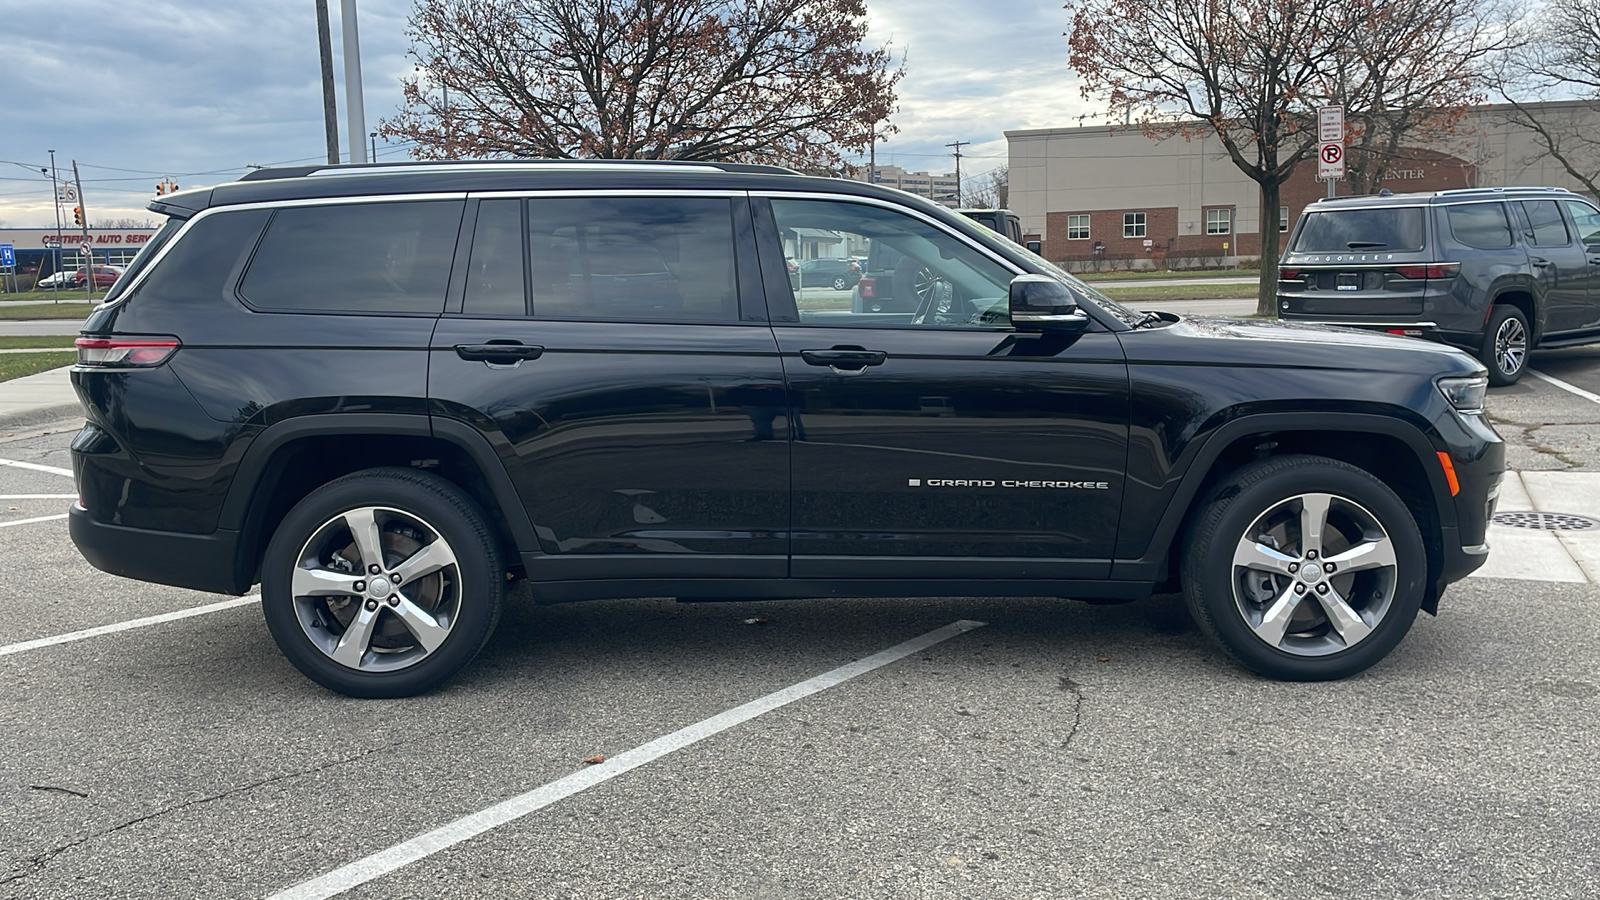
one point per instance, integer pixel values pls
(62, 279)
(1497, 271)
(104, 276)
(475, 389)
(840, 274)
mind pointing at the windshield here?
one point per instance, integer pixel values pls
(147, 253)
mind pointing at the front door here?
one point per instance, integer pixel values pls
(1558, 264)
(941, 442)
(602, 346)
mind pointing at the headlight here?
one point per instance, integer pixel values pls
(1465, 394)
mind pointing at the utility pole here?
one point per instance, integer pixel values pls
(83, 208)
(355, 112)
(330, 105)
(872, 157)
(55, 189)
(958, 145)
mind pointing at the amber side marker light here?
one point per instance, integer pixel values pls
(1449, 473)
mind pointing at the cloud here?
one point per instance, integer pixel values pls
(199, 92)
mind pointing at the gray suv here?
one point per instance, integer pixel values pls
(1498, 271)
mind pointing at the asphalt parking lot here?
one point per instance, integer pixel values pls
(1057, 750)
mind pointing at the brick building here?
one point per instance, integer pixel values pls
(938, 188)
(1099, 197)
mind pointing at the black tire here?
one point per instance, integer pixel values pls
(1222, 595)
(840, 284)
(461, 600)
(1506, 342)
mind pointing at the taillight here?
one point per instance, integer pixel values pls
(140, 352)
(869, 288)
(1287, 274)
(1438, 270)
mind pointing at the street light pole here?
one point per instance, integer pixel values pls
(374, 136)
(55, 274)
(330, 110)
(354, 108)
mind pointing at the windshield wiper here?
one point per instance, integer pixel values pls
(1149, 318)
(1365, 245)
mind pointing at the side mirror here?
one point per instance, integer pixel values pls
(1041, 303)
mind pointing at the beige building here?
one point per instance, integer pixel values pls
(939, 188)
(1111, 197)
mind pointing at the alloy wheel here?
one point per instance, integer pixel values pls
(1314, 575)
(376, 589)
(1511, 345)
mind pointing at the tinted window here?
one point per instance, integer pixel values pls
(205, 261)
(494, 275)
(1480, 225)
(937, 280)
(1588, 221)
(637, 258)
(1544, 221)
(1346, 230)
(359, 257)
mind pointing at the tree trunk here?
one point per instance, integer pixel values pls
(1267, 287)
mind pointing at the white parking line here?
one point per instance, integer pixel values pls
(129, 625)
(364, 870)
(53, 470)
(31, 521)
(1570, 388)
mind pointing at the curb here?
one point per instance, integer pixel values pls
(41, 415)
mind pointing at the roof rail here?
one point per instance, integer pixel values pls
(1456, 192)
(523, 165)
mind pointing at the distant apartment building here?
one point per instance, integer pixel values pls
(944, 189)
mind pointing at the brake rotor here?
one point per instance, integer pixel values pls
(400, 542)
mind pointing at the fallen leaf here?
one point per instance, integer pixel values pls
(597, 758)
(758, 620)
(1104, 658)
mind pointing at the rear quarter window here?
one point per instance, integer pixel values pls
(1483, 226)
(201, 265)
(1346, 230)
(385, 257)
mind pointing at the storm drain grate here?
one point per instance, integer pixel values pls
(1546, 521)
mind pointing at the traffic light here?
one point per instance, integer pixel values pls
(161, 188)
(166, 186)
(77, 215)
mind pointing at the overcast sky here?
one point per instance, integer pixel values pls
(136, 90)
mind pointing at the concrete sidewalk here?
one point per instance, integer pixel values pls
(1533, 554)
(44, 397)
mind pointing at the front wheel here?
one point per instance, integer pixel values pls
(1305, 568)
(1505, 345)
(383, 583)
(840, 284)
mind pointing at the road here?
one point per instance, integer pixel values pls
(1058, 750)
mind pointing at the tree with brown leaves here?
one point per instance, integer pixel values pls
(1559, 61)
(778, 81)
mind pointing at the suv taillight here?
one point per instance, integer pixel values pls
(1438, 270)
(1287, 274)
(868, 288)
(123, 352)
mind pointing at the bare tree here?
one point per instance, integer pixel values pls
(1408, 76)
(1561, 60)
(1248, 70)
(991, 189)
(783, 81)
(126, 222)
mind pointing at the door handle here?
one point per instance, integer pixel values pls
(1539, 261)
(847, 359)
(499, 354)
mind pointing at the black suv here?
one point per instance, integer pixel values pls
(385, 392)
(1498, 271)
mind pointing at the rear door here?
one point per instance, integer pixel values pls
(607, 348)
(1558, 264)
(1585, 221)
(942, 442)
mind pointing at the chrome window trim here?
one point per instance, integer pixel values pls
(267, 204)
(523, 167)
(726, 194)
(897, 207)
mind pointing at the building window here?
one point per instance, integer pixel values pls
(1283, 220)
(1219, 221)
(1133, 225)
(1077, 228)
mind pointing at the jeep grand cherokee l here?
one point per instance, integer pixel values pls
(1497, 271)
(383, 392)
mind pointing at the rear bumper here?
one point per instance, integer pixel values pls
(1410, 328)
(202, 562)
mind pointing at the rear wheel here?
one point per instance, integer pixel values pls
(383, 583)
(1305, 568)
(840, 284)
(1505, 345)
